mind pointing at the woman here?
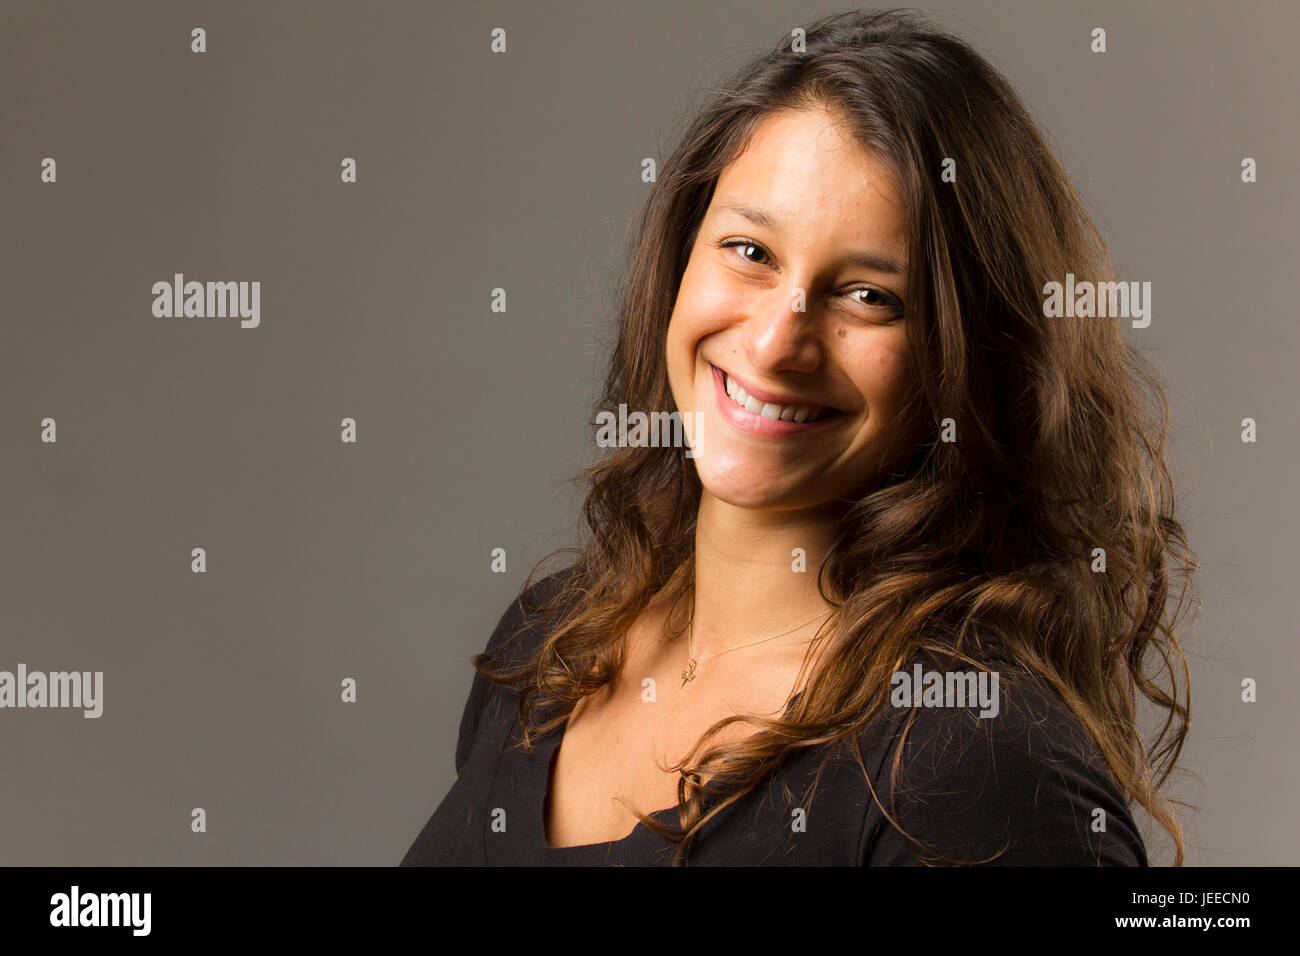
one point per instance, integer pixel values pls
(897, 604)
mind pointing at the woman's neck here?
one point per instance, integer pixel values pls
(750, 583)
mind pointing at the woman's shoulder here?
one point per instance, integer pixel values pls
(519, 631)
(995, 767)
(518, 635)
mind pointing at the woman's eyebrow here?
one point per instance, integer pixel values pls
(859, 257)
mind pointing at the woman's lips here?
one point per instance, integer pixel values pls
(757, 423)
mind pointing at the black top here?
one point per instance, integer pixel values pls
(1029, 779)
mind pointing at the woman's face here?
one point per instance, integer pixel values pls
(804, 217)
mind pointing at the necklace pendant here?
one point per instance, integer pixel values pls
(689, 673)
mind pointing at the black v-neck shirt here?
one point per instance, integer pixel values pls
(1029, 782)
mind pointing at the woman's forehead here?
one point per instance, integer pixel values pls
(801, 169)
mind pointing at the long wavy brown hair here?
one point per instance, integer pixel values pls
(993, 536)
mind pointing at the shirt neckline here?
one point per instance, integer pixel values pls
(545, 752)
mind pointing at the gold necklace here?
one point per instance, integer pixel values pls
(692, 662)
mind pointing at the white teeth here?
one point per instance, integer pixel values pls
(786, 413)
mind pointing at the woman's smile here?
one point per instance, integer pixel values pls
(788, 336)
(768, 414)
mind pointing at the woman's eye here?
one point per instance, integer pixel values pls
(878, 298)
(745, 246)
(871, 297)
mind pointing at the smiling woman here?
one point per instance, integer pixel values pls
(908, 469)
(802, 314)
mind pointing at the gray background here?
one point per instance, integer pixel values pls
(520, 170)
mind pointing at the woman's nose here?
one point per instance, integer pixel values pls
(782, 333)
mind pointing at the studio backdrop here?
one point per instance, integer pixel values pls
(268, 524)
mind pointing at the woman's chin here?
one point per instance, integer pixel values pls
(752, 488)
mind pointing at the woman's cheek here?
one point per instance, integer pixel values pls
(881, 361)
(710, 299)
